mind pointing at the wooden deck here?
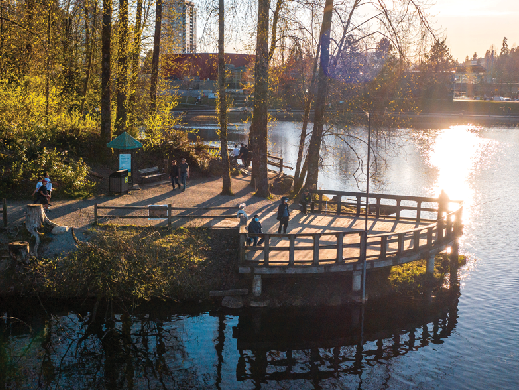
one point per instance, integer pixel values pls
(321, 242)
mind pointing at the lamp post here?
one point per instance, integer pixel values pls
(366, 215)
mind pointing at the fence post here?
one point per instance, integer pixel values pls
(169, 215)
(417, 240)
(266, 248)
(281, 166)
(316, 249)
(400, 243)
(5, 212)
(339, 204)
(398, 209)
(377, 208)
(340, 246)
(383, 247)
(320, 202)
(418, 211)
(242, 248)
(95, 213)
(291, 253)
(358, 205)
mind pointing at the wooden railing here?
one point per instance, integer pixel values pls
(166, 214)
(404, 245)
(277, 162)
(379, 204)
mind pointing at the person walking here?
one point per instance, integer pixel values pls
(283, 215)
(43, 194)
(184, 173)
(255, 228)
(174, 172)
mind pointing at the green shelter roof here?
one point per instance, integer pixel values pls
(124, 141)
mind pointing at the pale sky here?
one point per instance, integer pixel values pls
(473, 25)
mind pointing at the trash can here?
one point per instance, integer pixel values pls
(118, 182)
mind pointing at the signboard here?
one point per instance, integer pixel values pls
(125, 162)
(157, 211)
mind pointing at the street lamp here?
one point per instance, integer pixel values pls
(365, 255)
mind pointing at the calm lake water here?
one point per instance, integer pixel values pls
(468, 341)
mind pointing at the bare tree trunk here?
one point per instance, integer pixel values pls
(222, 102)
(155, 58)
(260, 118)
(320, 98)
(298, 177)
(135, 56)
(34, 218)
(89, 48)
(106, 73)
(122, 79)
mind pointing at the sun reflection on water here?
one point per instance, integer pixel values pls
(457, 154)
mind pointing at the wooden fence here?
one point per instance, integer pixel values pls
(167, 212)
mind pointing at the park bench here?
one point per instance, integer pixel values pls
(149, 175)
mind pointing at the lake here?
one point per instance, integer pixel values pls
(458, 341)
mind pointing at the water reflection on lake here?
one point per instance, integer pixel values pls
(465, 342)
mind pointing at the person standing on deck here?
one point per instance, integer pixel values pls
(283, 215)
(184, 173)
(255, 228)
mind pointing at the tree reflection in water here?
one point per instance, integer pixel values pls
(104, 345)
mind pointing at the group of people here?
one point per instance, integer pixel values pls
(179, 173)
(43, 191)
(241, 153)
(255, 227)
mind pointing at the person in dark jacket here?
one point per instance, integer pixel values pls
(174, 172)
(255, 228)
(283, 215)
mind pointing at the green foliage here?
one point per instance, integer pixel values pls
(25, 133)
(139, 263)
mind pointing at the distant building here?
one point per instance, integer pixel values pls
(178, 27)
(199, 72)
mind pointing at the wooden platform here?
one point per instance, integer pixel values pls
(322, 242)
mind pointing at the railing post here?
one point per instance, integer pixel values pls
(398, 209)
(358, 205)
(340, 246)
(383, 247)
(280, 166)
(316, 249)
(363, 247)
(242, 247)
(4, 212)
(266, 249)
(95, 213)
(377, 208)
(339, 204)
(400, 243)
(417, 240)
(320, 202)
(169, 215)
(291, 253)
(418, 211)
(429, 236)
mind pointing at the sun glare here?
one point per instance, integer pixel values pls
(457, 153)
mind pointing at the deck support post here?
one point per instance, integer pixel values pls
(256, 285)
(429, 269)
(356, 285)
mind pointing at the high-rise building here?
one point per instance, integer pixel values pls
(179, 27)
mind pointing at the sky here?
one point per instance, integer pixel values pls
(474, 25)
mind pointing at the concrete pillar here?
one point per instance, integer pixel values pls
(256, 285)
(430, 265)
(357, 281)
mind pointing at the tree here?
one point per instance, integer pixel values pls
(106, 105)
(259, 131)
(122, 78)
(155, 60)
(222, 101)
(504, 48)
